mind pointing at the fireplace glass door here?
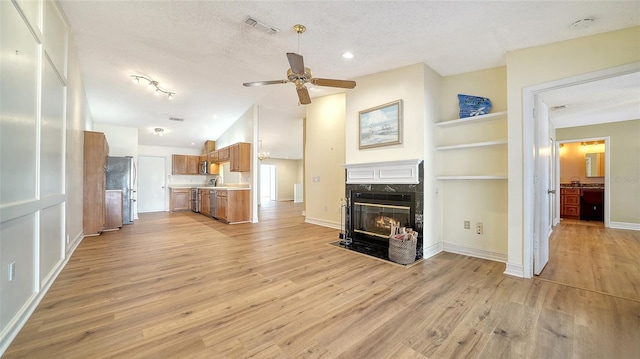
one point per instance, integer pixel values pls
(376, 219)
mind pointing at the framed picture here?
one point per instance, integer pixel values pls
(381, 125)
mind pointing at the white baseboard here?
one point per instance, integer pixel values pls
(20, 319)
(623, 225)
(432, 250)
(322, 222)
(474, 252)
(515, 270)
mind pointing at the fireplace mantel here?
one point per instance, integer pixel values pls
(389, 172)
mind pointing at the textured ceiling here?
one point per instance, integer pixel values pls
(203, 51)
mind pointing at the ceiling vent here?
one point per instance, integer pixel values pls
(176, 119)
(260, 26)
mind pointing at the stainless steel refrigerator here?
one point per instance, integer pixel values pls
(121, 175)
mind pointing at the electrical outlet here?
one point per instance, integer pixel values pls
(467, 224)
(68, 239)
(326, 208)
(12, 271)
(479, 228)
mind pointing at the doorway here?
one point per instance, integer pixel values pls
(268, 181)
(534, 171)
(151, 184)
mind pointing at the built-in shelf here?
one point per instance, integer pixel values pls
(472, 120)
(471, 145)
(473, 178)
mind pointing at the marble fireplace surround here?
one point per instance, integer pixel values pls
(404, 176)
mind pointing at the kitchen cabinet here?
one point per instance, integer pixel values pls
(223, 154)
(240, 157)
(113, 209)
(570, 203)
(193, 165)
(213, 156)
(96, 151)
(185, 165)
(205, 202)
(209, 146)
(233, 205)
(221, 200)
(180, 199)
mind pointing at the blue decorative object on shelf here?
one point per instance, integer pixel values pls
(473, 105)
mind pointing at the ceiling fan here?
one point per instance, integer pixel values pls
(300, 75)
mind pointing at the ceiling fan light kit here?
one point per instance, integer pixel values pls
(300, 75)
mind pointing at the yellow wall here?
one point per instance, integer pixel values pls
(624, 176)
(490, 83)
(572, 164)
(469, 200)
(324, 159)
(289, 172)
(404, 84)
(547, 63)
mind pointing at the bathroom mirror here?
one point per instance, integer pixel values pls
(594, 164)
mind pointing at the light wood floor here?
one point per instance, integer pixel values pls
(179, 285)
(589, 256)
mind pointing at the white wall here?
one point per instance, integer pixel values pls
(41, 189)
(167, 153)
(123, 141)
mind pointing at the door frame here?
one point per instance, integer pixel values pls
(529, 128)
(607, 177)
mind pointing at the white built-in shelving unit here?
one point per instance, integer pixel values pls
(473, 148)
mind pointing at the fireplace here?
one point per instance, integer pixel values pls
(374, 205)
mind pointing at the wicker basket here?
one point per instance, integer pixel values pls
(402, 251)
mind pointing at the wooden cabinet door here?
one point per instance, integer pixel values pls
(180, 200)
(193, 165)
(222, 205)
(179, 164)
(223, 154)
(238, 206)
(240, 157)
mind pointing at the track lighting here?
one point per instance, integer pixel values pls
(153, 85)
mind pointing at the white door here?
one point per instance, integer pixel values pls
(542, 210)
(151, 184)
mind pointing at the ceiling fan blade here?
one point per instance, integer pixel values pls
(260, 83)
(334, 83)
(303, 95)
(296, 62)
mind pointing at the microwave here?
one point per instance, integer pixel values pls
(204, 167)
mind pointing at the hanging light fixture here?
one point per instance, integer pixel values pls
(158, 131)
(153, 85)
(262, 154)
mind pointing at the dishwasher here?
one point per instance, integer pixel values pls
(213, 203)
(195, 200)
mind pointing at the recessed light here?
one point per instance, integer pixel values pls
(583, 23)
(347, 55)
